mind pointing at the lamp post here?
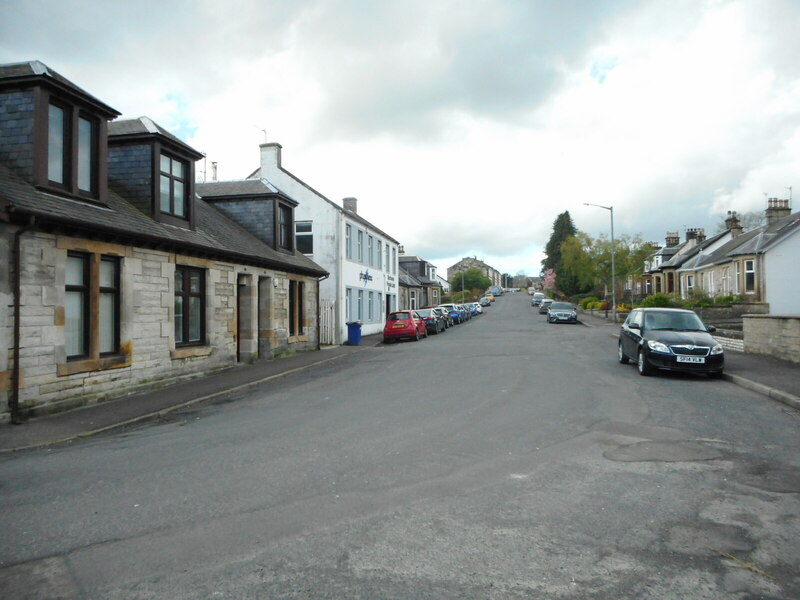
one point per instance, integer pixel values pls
(613, 269)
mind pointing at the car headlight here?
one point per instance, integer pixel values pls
(716, 350)
(658, 347)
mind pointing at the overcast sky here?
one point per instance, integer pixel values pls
(463, 127)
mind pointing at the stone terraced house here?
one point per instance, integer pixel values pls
(115, 277)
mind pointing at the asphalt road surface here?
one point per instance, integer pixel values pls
(505, 458)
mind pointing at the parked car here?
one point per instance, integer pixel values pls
(478, 308)
(485, 301)
(537, 298)
(434, 321)
(672, 339)
(490, 297)
(445, 314)
(544, 304)
(404, 324)
(562, 312)
(465, 316)
(455, 314)
(472, 307)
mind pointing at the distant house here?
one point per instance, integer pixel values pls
(411, 291)
(424, 274)
(361, 258)
(118, 277)
(760, 265)
(469, 262)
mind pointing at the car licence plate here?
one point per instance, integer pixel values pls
(692, 359)
(398, 325)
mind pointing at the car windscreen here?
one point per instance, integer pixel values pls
(561, 306)
(673, 321)
(424, 312)
(400, 316)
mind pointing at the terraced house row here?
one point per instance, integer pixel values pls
(120, 273)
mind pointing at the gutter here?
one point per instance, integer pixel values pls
(13, 402)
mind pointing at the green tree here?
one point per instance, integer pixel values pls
(474, 279)
(563, 227)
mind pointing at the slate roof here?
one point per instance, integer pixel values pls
(679, 259)
(407, 279)
(35, 68)
(756, 241)
(355, 216)
(215, 234)
(145, 126)
(215, 190)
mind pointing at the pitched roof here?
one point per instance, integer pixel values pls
(355, 216)
(145, 126)
(34, 69)
(246, 187)
(214, 233)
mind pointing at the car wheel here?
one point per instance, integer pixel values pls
(416, 335)
(642, 366)
(621, 355)
(386, 340)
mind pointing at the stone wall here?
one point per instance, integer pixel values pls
(729, 316)
(773, 335)
(148, 357)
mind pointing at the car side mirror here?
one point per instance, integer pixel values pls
(634, 326)
(711, 329)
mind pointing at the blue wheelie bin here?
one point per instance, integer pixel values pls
(354, 333)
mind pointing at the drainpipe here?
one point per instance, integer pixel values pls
(319, 280)
(13, 403)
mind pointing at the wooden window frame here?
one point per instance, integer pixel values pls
(71, 157)
(85, 290)
(172, 179)
(115, 290)
(296, 308)
(187, 294)
(284, 227)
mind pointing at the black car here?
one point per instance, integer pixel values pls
(561, 312)
(671, 339)
(434, 321)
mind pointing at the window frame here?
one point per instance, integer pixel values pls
(185, 180)
(186, 294)
(750, 276)
(348, 241)
(360, 245)
(284, 227)
(116, 292)
(85, 290)
(306, 236)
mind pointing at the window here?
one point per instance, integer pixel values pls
(348, 241)
(296, 313)
(738, 271)
(387, 257)
(303, 237)
(285, 227)
(360, 251)
(360, 312)
(370, 249)
(86, 155)
(76, 305)
(749, 276)
(108, 312)
(174, 186)
(190, 306)
(348, 299)
(56, 144)
(91, 305)
(689, 283)
(380, 256)
(412, 299)
(370, 306)
(394, 261)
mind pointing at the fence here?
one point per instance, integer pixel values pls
(327, 322)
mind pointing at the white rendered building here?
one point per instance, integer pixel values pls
(362, 260)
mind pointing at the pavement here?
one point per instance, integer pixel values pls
(94, 419)
(771, 377)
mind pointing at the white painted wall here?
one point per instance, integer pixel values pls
(328, 228)
(782, 277)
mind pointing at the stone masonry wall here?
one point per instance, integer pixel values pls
(16, 132)
(149, 356)
(773, 335)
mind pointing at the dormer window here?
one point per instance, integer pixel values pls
(285, 227)
(173, 186)
(72, 143)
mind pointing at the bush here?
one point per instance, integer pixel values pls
(623, 307)
(586, 302)
(660, 300)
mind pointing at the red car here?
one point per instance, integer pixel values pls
(404, 324)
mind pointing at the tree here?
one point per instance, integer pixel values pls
(474, 279)
(563, 227)
(748, 220)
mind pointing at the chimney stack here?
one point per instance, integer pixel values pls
(350, 205)
(777, 209)
(733, 224)
(270, 158)
(672, 239)
(213, 171)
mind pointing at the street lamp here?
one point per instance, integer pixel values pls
(613, 270)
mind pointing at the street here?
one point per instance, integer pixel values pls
(504, 458)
